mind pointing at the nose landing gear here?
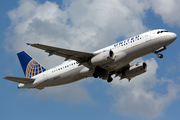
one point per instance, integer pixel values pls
(159, 50)
(160, 55)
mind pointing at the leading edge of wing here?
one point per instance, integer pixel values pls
(19, 79)
(68, 54)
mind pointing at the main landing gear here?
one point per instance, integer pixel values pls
(101, 73)
(110, 79)
(159, 50)
(96, 75)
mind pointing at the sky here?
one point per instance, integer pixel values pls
(89, 25)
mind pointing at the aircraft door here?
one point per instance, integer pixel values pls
(45, 76)
(148, 36)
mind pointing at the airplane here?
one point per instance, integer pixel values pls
(111, 60)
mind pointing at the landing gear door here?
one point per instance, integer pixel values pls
(148, 36)
(44, 76)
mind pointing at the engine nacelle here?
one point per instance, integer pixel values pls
(135, 70)
(102, 58)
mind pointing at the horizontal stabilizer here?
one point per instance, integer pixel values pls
(19, 79)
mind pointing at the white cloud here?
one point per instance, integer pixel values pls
(78, 26)
(141, 97)
(168, 10)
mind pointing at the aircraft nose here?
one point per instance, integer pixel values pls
(173, 37)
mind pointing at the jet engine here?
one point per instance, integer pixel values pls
(102, 58)
(134, 70)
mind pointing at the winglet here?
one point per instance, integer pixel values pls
(29, 44)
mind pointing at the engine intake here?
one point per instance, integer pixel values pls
(135, 70)
(103, 58)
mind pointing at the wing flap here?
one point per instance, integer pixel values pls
(19, 79)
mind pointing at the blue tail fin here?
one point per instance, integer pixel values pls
(29, 65)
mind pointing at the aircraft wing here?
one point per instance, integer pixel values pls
(81, 57)
(19, 79)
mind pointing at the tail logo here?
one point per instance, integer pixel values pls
(33, 68)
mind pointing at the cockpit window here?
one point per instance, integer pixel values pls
(161, 31)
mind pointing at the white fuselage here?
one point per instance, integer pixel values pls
(132, 48)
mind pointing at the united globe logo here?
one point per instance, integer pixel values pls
(33, 68)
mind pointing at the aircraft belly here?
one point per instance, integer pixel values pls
(120, 65)
(65, 78)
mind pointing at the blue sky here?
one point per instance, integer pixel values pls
(89, 25)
